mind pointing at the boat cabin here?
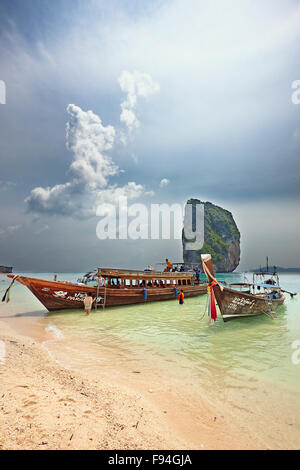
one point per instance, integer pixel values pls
(130, 278)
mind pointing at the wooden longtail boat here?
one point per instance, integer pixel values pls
(121, 287)
(235, 304)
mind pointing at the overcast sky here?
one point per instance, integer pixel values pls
(158, 101)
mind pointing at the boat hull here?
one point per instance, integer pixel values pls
(63, 295)
(234, 305)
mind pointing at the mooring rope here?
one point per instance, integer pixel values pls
(207, 306)
(206, 309)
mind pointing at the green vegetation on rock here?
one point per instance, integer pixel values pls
(221, 239)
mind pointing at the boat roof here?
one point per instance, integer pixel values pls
(249, 284)
(268, 286)
(265, 273)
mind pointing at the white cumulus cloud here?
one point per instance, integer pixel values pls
(164, 182)
(134, 84)
(111, 195)
(89, 141)
(8, 231)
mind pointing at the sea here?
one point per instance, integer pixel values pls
(249, 367)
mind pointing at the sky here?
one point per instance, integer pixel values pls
(157, 101)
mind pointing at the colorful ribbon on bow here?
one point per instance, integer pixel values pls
(6, 296)
(212, 309)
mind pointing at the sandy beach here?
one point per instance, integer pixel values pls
(45, 406)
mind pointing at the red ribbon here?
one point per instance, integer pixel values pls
(213, 308)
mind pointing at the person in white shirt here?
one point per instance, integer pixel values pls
(88, 302)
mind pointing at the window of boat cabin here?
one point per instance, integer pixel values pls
(134, 282)
(168, 281)
(174, 282)
(184, 282)
(115, 281)
(127, 282)
(179, 282)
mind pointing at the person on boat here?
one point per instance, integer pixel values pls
(274, 295)
(88, 303)
(149, 268)
(181, 297)
(100, 281)
(169, 265)
(197, 272)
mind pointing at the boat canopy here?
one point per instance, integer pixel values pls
(248, 284)
(268, 286)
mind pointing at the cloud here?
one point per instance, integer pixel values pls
(296, 137)
(194, 105)
(135, 84)
(44, 228)
(111, 195)
(164, 182)
(9, 230)
(219, 107)
(89, 141)
(6, 185)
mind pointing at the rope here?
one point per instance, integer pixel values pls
(205, 310)
(269, 307)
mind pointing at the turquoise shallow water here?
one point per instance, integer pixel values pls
(247, 363)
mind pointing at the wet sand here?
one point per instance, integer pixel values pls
(46, 406)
